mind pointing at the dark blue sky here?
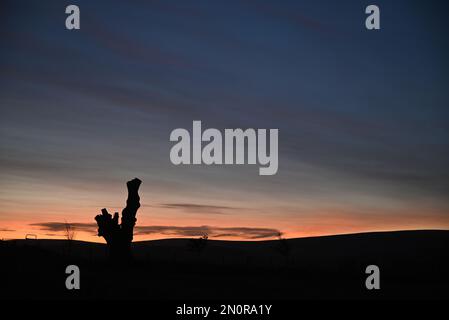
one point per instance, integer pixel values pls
(362, 115)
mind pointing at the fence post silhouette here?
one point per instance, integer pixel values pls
(119, 236)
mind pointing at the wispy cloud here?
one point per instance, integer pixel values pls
(214, 232)
(290, 15)
(61, 226)
(198, 208)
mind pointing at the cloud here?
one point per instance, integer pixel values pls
(290, 15)
(177, 231)
(61, 226)
(197, 208)
(213, 232)
(6, 230)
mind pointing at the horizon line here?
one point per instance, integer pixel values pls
(248, 240)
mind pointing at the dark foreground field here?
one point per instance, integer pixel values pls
(413, 264)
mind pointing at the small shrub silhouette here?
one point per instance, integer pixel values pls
(70, 232)
(199, 244)
(283, 246)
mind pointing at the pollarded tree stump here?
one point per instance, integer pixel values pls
(119, 236)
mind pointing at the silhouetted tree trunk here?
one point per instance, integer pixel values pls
(119, 236)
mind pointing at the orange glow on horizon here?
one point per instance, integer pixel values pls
(318, 224)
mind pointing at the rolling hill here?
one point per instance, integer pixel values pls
(413, 264)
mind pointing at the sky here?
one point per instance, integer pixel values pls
(362, 116)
